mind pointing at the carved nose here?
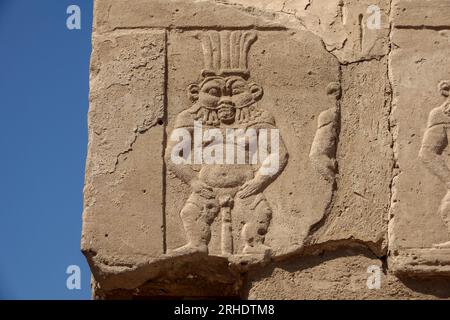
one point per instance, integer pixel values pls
(225, 100)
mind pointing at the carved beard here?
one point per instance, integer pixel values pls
(242, 115)
(207, 116)
(226, 114)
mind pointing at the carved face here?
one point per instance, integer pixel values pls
(225, 95)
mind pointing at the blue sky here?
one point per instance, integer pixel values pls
(44, 86)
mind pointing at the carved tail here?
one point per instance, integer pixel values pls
(226, 203)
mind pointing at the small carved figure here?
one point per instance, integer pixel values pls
(323, 148)
(435, 141)
(226, 100)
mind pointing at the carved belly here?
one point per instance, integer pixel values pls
(226, 176)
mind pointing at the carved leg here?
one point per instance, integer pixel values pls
(255, 229)
(197, 216)
(444, 211)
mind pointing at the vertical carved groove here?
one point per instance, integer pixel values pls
(361, 31)
(164, 143)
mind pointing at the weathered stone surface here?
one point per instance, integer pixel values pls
(344, 26)
(361, 206)
(417, 67)
(420, 13)
(423, 262)
(119, 14)
(352, 109)
(338, 275)
(294, 71)
(123, 197)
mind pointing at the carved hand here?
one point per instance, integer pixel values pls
(251, 187)
(202, 188)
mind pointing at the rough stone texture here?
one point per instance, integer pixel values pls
(365, 159)
(338, 275)
(340, 24)
(295, 99)
(420, 14)
(123, 219)
(417, 67)
(119, 14)
(354, 106)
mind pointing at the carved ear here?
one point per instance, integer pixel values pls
(257, 91)
(193, 91)
(444, 88)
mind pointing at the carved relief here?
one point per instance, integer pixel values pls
(434, 143)
(433, 259)
(323, 148)
(225, 119)
(419, 229)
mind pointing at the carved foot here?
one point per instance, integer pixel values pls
(257, 249)
(190, 249)
(444, 245)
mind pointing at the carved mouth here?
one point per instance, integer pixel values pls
(225, 112)
(225, 106)
(225, 109)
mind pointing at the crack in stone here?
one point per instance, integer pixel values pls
(138, 132)
(392, 126)
(164, 145)
(422, 27)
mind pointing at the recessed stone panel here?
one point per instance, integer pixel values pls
(294, 71)
(419, 218)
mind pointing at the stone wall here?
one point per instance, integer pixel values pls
(352, 95)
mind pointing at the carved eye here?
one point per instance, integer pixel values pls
(238, 87)
(213, 91)
(237, 91)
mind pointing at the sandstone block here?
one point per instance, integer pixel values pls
(268, 149)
